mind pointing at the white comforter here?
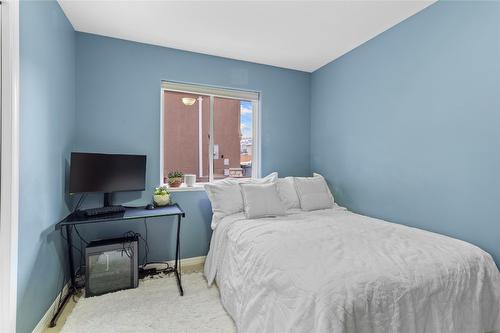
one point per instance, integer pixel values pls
(336, 271)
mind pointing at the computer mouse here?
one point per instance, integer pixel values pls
(150, 206)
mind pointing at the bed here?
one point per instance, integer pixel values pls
(332, 270)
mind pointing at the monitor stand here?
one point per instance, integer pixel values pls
(108, 199)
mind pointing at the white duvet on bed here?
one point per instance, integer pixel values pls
(336, 271)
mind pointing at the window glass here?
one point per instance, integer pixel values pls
(183, 134)
(186, 136)
(232, 138)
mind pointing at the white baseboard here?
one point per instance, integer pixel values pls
(47, 317)
(45, 321)
(193, 261)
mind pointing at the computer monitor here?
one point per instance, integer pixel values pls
(107, 173)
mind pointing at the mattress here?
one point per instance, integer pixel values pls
(336, 271)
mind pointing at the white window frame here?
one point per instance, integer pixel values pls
(212, 92)
(9, 193)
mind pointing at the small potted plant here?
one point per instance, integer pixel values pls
(175, 178)
(161, 196)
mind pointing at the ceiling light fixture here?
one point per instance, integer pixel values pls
(188, 101)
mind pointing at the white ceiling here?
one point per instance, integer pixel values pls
(302, 35)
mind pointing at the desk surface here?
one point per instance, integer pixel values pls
(129, 214)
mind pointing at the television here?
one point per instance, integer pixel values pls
(107, 173)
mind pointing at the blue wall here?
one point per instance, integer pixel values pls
(407, 126)
(47, 124)
(118, 111)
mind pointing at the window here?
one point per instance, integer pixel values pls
(209, 132)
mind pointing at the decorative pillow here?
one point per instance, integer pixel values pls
(225, 195)
(287, 192)
(261, 200)
(313, 193)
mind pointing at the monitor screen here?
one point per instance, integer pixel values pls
(106, 173)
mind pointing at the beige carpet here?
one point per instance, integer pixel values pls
(155, 306)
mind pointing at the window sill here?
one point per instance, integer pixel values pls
(183, 188)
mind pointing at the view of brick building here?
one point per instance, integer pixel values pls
(182, 137)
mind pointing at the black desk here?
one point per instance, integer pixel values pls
(130, 214)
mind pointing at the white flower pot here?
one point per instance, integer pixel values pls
(189, 180)
(161, 200)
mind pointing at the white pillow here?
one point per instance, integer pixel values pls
(225, 195)
(261, 200)
(318, 175)
(313, 193)
(287, 192)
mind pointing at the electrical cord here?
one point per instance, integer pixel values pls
(73, 246)
(168, 268)
(80, 236)
(128, 250)
(81, 257)
(78, 273)
(80, 201)
(145, 260)
(132, 234)
(59, 302)
(130, 237)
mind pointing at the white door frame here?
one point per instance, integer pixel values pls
(9, 188)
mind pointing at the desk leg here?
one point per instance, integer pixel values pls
(72, 287)
(70, 255)
(178, 257)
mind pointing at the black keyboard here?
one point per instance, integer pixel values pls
(104, 211)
